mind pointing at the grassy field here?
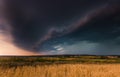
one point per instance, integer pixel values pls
(63, 70)
(60, 66)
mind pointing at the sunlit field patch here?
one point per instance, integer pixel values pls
(63, 70)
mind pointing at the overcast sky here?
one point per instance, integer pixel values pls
(30, 27)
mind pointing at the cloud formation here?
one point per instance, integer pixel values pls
(8, 48)
(40, 26)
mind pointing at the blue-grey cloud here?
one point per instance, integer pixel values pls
(43, 25)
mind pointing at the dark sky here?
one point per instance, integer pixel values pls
(64, 26)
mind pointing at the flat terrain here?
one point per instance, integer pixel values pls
(57, 59)
(60, 66)
(63, 70)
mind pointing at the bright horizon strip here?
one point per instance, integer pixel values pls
(8, 49)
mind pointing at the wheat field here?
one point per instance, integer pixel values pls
(63, 70)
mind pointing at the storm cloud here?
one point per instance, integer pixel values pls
(63, 26)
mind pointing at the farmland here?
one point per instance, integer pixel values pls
(60, 66)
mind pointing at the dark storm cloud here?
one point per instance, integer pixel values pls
(99, 36)
(102, 28)
(95, 15)
(33, 22)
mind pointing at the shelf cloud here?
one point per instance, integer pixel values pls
(77, 26)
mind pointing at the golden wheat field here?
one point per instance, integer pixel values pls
(63, 70)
